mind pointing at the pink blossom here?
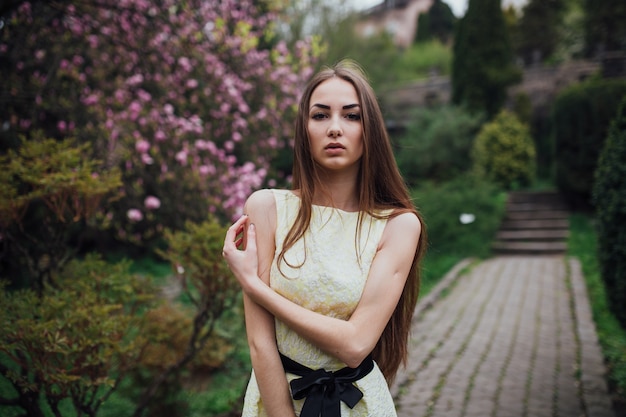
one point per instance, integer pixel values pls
(134, 215)
(90, 100)
(146, 159)
(152, 203)
(182, 157)
(93, 41)
(144, 95)
(135, 79)
(207, 170)
(160, 135)
(184, 62)
(202, 144)
(236, 100)
(142, 146)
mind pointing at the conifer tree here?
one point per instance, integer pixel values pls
(604, 26)
(483, 64)
(437, 23)
(539, 29)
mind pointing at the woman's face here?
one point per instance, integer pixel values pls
(334, 126)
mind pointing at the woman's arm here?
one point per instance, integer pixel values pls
(352, 340)
(268, 369)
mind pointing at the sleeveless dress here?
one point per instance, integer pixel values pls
(330, 280)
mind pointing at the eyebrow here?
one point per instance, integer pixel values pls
(326, 107)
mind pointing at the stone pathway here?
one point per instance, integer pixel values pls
(510, 336)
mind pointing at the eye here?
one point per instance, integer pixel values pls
(318, 116)
(353, 116)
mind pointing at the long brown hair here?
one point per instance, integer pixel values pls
(380, 187)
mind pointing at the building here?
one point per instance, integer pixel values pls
(396, 17)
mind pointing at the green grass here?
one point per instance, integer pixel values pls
(583, 245)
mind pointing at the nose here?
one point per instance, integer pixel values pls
(334, 130)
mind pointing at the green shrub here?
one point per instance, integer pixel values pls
(50, 193)
(504, 152)
(422, 59)
(71, 346)
(583, 244)
(437, 143)
(523, 107)
(442, 205)
(609, 198)
(580, 120)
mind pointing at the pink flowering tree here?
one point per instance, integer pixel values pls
(191, 99)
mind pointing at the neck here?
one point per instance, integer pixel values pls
(339, 191)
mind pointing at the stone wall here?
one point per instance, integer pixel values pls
(540, 83)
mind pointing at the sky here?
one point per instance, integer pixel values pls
(458, 6)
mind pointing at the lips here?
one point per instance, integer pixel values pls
(335, 145)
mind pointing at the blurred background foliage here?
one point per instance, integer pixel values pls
(132, 131)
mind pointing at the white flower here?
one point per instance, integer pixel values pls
(467, 218)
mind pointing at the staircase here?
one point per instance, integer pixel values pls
(535, 223)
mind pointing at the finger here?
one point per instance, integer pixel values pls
(233, 231)
(251, 237)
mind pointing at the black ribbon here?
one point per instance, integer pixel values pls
(324, 390)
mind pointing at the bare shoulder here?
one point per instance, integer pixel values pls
(260, 201)
(261, 208)
(405, 222)
(402, 229)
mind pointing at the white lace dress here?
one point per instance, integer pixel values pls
(330, 282)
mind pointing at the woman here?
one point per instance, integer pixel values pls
(329, 269)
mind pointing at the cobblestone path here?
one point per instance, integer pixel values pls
(511, 336)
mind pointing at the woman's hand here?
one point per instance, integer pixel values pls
(240, 252)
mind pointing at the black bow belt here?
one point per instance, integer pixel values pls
(323, 389)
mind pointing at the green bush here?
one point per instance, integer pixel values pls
(443, 204)
(583, 244)
(70, 347)
(422, 59)
(437, 143)
(504, 152)
(580, 119)
(609, 198)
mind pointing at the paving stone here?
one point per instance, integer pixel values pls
(504, 341)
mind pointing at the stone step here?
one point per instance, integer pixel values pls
(529, 248)
(537, 215)
(533, 235)
(549, 197)
(515, 207)
(534, 224)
